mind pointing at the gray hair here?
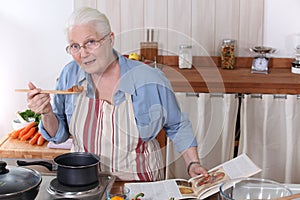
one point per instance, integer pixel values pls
(86, 15)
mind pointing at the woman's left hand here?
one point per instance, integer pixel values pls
(197, 169)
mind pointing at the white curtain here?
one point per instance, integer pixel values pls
(213, 117)
(270, 135)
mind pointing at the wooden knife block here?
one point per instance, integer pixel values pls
(149, 50)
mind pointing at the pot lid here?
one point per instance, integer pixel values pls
(14, 180)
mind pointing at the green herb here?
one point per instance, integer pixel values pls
(27, 114)
(136, 197)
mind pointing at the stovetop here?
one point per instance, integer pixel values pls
(105, 180)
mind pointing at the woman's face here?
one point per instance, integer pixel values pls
(95, 60)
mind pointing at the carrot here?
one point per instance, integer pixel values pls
(29, 134)
(16, 133)
(41, 140)
(34, 139)
(26, 129)
(13, 134)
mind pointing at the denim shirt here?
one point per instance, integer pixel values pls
(154, 102)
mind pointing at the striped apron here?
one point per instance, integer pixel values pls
(110, 132)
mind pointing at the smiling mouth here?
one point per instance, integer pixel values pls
(89, 62)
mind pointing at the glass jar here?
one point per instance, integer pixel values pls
(227, 54)
(185, 56)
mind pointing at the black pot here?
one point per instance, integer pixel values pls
(18, 183)
(72, 169)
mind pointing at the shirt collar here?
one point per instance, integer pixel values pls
(126, 80)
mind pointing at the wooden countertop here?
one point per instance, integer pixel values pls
(14, 148)
(206, 76)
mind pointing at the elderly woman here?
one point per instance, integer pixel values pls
(122, 108)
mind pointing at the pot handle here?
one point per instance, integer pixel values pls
(42, 163)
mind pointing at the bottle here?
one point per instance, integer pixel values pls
(185, 56)
(227, 54)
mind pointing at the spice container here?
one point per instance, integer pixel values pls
(227, 54)
(185, 56)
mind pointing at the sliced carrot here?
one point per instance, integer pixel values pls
(29, 134)
(41, 140)
(26, 129)
(34, 139)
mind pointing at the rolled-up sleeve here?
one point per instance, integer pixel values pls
(63, 105)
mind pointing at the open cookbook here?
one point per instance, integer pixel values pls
(199, 187)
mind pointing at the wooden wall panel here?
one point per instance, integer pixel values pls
(156, 16)
(85, 3)
(132, 24)
(227, 22)
(202, 23)
(112, 10)
(179, 24)
(251, 25)
(203, 28)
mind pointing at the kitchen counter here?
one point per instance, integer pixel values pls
(47, 178)
(14, 148)
(206, 76)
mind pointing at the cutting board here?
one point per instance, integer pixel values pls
(14, 148)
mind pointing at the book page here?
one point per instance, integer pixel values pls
(241, 166)
(166, 189)
(199, 186)
(202, 184)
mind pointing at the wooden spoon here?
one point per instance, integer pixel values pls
(73, 90)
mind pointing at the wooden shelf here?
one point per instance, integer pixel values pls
(211, 78)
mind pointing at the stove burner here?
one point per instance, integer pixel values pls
(95, 191)
(58, 189)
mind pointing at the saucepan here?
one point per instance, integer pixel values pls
(72, 169)
(18, 183)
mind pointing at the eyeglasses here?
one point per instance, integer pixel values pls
(89, 45)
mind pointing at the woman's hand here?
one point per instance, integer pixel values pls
(37, 102)
(197, 169)
(194, 168)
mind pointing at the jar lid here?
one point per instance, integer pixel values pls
(185, 46)
(296, 63)
(228, 41)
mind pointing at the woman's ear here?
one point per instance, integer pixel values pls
(112, 38)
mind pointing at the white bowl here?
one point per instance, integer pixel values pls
(16, 124)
